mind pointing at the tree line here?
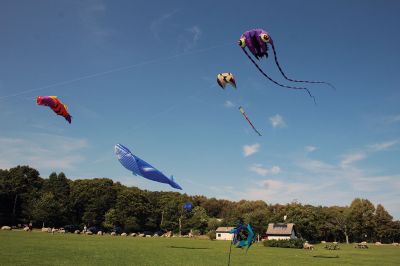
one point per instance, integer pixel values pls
(57, 201)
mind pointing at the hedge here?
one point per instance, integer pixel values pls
(288, 243)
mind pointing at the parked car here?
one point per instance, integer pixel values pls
(70, 228)
(148, 233)
(160, 232)
(118, 230)
(94, 229)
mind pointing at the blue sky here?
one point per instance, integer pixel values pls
(143, 73)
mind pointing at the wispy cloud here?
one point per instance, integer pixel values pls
(91, 15)
(189, 38)
(250, 149)
(262, 171)
(310, 148)
(196, 33)
(229, 104)
(279, 191)
(352, 157)
(165, 25)
(316, 166)
(42, 151)
(382, 146)
(365, 152)
(157, 25)
(392, 119)
(277, 121)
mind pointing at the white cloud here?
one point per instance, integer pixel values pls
(42, 151)
(320, 182)
(316, 166)
(262, 171)
(250, 149)
(277, 121)
(352, 157)
(277, 186)
(229, 104)
(310, 148)
(382, 146)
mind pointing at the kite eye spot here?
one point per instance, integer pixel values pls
(264, 37)
(242, 42)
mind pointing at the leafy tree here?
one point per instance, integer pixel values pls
(19, 187)
(258, 219)
(90, 199)
(59, 186)
(110, 219)
(132, 208)
(213, 224)
(384, 224)
(58, 200)
(340, 221)
(213, 207)
(199, 220)
(47, 210)
(361, 219)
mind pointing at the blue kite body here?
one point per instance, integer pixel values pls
(139, 167)
(239, 241)
(188, 206)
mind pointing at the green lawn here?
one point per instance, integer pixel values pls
(37, 248)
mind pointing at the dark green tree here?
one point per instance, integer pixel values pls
(383, 225)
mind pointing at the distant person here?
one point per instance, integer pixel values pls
(30, 226)
(84, 229)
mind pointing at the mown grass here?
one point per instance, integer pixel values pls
(37, 248)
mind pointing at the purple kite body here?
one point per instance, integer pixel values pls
(257, 40)
(257, 46)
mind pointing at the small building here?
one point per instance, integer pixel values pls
(223, 233)
(281, 231)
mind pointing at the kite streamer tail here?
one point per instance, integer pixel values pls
(248, 120)
(277, 83)
(253, 126)
(295, 80)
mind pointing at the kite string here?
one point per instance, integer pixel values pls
(277, 83)
(230, 250)
(295, 80)
(119, 69)
(170, 108)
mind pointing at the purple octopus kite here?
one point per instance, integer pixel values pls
(256, 41)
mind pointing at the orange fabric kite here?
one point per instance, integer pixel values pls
(56, 105)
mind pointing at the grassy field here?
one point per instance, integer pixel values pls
(37, 248)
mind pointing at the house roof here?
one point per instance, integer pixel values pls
(222, 229)
(280, 229)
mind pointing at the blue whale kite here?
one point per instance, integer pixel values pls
(140, 167)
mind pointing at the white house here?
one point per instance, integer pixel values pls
(222, 233)
(280, 231)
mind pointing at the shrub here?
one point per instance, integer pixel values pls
(212, 235)
(289, 243)
(195, 232)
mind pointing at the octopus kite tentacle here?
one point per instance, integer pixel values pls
(277, 83)
(295, 80)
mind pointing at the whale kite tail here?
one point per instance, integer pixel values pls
(173, 183)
